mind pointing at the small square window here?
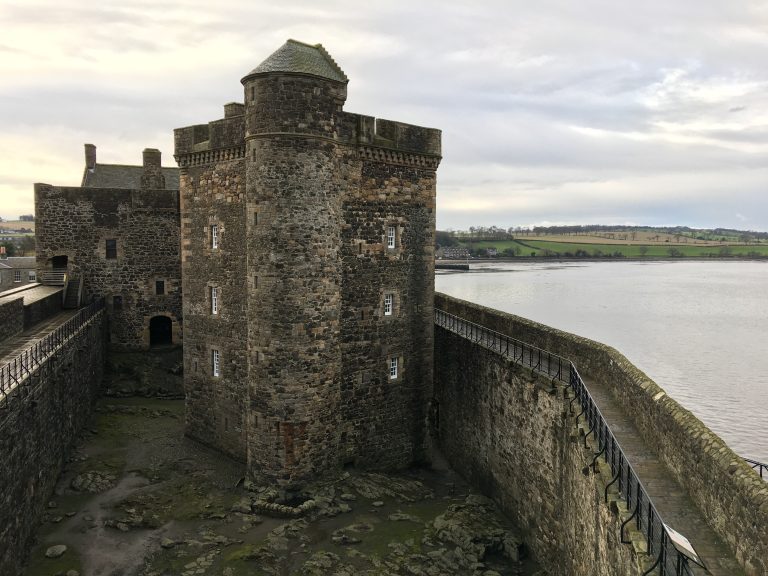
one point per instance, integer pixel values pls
(215, 362)
(391, 236)
(159, 287)
(389, 304)
(214, 300)
(111, 248)
(117, 302)
(393, 361)
(214, 236)
(32, 277)
(17, 275)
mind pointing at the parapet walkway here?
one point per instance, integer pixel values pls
(12, 347)
(670, 499)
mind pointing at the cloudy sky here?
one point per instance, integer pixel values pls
(553, 111)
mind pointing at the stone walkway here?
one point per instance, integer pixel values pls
(12, 347)
(670, 499)
(30, 295)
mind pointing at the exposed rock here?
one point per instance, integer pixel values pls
(55, 551)
(93, 482)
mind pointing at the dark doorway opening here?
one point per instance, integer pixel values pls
(59, 262)
(160, 331)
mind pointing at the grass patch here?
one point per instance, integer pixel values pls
(543, 248)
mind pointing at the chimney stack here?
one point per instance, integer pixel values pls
(152, 178)
(90, 156)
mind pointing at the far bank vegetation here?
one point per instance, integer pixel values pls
(599, 241)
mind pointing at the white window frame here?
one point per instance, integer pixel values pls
(214, 300)
(391, 236)
(389, 304)
(394, 362)
(215, 363)
(214, 236)
(32, 276)
(17, 275)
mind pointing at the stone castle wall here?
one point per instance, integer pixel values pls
(213, 195)
(76, 222)
(506, 432)
(38, 423)
(11, 318)
(732, 498)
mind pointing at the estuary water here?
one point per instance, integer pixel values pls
(699, 329)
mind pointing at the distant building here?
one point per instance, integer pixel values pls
(117, 236)
(453, 253)
(16, 271)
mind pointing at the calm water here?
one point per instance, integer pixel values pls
(699, 329)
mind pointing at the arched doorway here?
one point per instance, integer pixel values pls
(59, 262)
(160, 331)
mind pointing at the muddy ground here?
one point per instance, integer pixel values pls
(139, 499)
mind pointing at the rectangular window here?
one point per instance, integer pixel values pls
(393, 368)
(214, 236)
(111, 252)
(215, 362)
(17, 275)
(389, 300)
(214, 300)
(32, 277)
(117, 302)
(390, 236)
(159, 287)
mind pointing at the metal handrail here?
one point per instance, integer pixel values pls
(643, 512)
(26, 362)
(760, 467)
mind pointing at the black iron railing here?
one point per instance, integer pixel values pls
(19, 368)
(760, 467)
(643, 514)
(529, 356)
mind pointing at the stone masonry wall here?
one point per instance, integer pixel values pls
(41, 309)
(728, 493)
(384, 425)
(511, 436)
(76, 222)
(11, 318)
(37, 428)
(214, 195)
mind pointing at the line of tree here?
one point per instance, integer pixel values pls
(621, 232)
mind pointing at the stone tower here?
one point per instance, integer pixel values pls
(296, 173)
(308, 275)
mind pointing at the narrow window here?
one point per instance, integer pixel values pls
(214, 236)
(117, 302)
(111, 252)
(32, 276)
(214, 299)
(215, 362)
(389, 300)
(159, 287)
(255, 218)
(390, 236)
(17, 275)
(393, 368)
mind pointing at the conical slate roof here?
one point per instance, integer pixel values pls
(301, 58)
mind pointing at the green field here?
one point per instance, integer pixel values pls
(540, 248)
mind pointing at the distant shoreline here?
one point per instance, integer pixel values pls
(507, 259)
